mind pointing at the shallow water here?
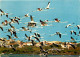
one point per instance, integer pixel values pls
(21, 55)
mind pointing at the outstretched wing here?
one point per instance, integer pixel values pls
(1, 28)
(48, 5)
(1, 10)
(26, 35)
(9, 36)
(60, 35)
(72, 38)
(72, 46)
(37, 39)
(74, 32)
(31, 18)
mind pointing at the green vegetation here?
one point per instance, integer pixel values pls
(36, 50)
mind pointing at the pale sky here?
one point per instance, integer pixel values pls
(24, 0)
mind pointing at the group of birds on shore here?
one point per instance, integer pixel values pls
(36, 36)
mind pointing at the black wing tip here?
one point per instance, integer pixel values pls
(49, 2)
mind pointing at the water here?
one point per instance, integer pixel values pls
(20, 55)
(65, 10)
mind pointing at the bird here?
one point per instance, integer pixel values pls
(26, 15)
(1, 28)
(6, 15)
(78, 26)
(37, 34)
(79, 33)
(46, 21)
(58, 33)
(32, 23)
(68, 25)
(73, 46)
(48, 6)
(14, 33)
(39, 9)
(25, 29)
(33, 42)
(73, 32)
(37, 38)
(55, 45)
(29, 38)
(31, 18)
(56, 20)
(43, 23)
(11, 32)
(3, 13)
(17, 21)
(17, 18)
(43, 51)
(10, 24)
(14, 49)
(6, 22)
(9, 37)
(72, 38)
(41, 43)
(12, 20)
(65, 43)
(3, 23)
(12, 27)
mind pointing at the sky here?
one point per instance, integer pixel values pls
(65, 10)
(25, 0)
(39, 0)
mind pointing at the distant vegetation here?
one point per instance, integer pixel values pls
(53, 50)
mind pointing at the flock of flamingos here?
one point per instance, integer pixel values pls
(36, 36)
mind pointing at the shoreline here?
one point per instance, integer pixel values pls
(31, 50)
